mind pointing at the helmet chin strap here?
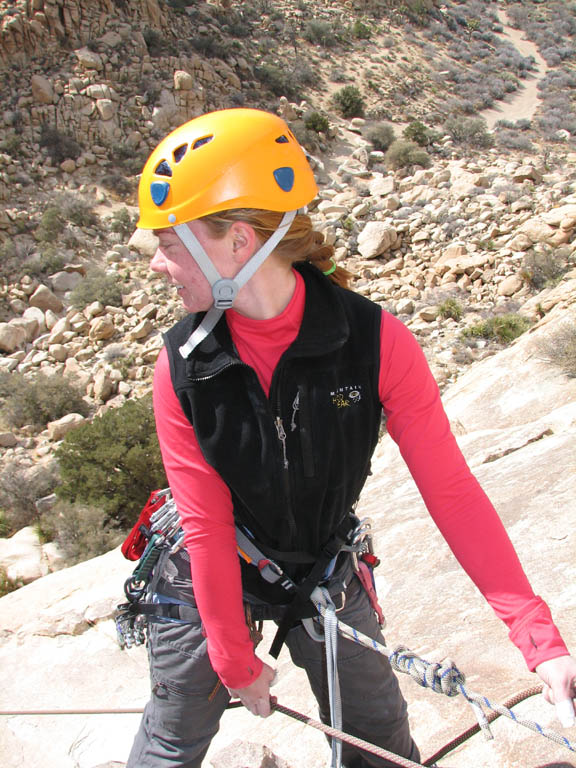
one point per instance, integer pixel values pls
(224, 289)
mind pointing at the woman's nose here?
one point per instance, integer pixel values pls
(158, 262)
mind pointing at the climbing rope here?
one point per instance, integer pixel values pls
(469, 732)
(441, 678)
(333, 732)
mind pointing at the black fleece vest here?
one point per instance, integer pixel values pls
(296, 461)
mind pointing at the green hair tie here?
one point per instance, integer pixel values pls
(331, 270)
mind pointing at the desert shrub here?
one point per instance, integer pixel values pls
(322, 33)
(511, 140)
(418, 132)
(21, 486)
(81, 531)
(402, 154)
(360, 30)
(316, 122)
(122, 222)
(12, 145)
(381, 137)
(503, 328)
(113, 462)
(544, 268)
(310, 140)
(349, 102)
(277, 79)
(450, 308)
(40, 399)
(471, 131)
(97, 286)
(118, 184)
(209, 45)
(77, 210)
(60, 146)
(560, 348)
(52, 225)
(156, 44)
(7, 584)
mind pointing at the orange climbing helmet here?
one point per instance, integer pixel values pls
(232, 158)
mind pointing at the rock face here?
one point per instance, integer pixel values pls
(515, 417)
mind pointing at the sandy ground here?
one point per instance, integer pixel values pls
(523, 104)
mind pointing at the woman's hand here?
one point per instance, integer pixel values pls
(256, 696)
(559, 678)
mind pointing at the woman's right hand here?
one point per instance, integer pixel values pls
(256, 696)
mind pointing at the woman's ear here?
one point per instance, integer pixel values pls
(244, 241)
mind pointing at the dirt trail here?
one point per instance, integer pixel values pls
(523, 104)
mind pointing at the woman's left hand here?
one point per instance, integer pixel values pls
(559, 678)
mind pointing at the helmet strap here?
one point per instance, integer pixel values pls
(224, 289)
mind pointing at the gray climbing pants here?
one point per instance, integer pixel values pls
(186, 704)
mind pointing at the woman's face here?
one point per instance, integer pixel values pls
(173, 259)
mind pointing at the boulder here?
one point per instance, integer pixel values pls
(376, 238)
(12, 337)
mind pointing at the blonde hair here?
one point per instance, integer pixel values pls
(301, 243)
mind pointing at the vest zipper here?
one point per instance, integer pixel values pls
(281, 432)
(295, 409)
(282, 437)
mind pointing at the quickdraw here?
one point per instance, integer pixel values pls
(158, 526)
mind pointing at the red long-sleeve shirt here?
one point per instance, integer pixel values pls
(418, 424)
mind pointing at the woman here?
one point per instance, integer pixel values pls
(268, 401)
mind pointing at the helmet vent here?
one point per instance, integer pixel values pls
(282, 140)
(179, 152)
(163, 169)
(202, 141)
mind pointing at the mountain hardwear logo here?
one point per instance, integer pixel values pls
(346, 396)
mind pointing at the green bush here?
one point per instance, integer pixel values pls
(402, 154)
(420, 133)
(96, 286)
(472, 131)
(278, 80)
(504, 328)
(360, 30)
(450, 308)
(381, 137)
(52, 225)
(122, 222)
(349, 102)
(322, 33)
(81, 532)
(38, 400)
(12, 145)
(113, 462)
(316, 122)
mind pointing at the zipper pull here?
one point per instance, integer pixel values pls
(282, 438)
(295, 409)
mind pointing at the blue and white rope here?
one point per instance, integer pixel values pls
(442, 678)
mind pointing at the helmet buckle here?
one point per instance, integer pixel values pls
(224, 292)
